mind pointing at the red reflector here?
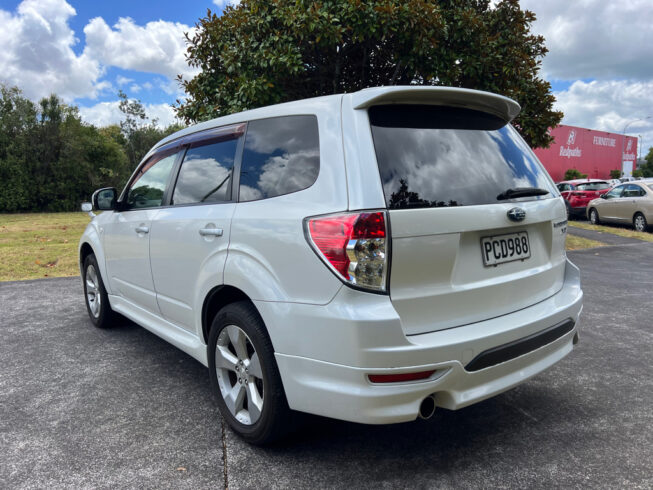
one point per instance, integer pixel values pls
(398, 378)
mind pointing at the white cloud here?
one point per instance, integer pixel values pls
(223, 3)
(595, 39)
(122, 81)
(158, 47)
(610, 106)
(37, 53)
(135, 88)
(105, 113)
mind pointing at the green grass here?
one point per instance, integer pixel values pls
(579, 243)
(615, 230)
(33, 246)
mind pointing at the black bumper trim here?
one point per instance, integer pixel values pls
(516, 348)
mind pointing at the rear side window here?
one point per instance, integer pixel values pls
(281, 155)
(432, 156)
(205, 175)
(633, 190)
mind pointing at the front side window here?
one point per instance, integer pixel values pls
(205, 175)
(148, 187)
(432, 156)
(616, 192)
(281, 155)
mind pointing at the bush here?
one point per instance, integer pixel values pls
(573, 173)
(615, 174)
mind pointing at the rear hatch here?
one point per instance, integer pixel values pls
(584, 193)
(478, 229)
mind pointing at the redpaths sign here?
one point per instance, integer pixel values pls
(591, 152)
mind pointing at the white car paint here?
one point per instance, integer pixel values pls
(444, 307)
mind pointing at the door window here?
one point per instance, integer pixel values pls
(148, 187)
(633, 190)
(616, 192)
(281, 155)
(206, 172)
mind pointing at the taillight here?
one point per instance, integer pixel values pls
(354, 246)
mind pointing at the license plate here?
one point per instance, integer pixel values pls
(505, 248)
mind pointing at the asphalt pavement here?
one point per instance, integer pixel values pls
(120, 408)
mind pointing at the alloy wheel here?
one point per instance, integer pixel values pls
(93, 296)
(240, 376)
(640, 223)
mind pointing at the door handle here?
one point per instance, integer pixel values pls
(211, 231)
(142, 229)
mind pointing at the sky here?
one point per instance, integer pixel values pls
(599, 61)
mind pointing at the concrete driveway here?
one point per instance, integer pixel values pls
(82, 407)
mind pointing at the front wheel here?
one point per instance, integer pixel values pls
(639, 222)
(97, 300)
(244, 375)
(594, 217)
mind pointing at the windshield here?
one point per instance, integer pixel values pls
(593, 186)
(432, 156)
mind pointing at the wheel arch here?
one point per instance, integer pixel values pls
(216, 299)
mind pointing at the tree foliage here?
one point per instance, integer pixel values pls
(647, 168)
(269, 51)
(573, 174)
(51, 161)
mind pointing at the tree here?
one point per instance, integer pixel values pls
(269, 51)
(572, 174)
(647, 168)
(140, 134)
(615, 174)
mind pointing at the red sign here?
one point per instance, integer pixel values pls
(591, 152)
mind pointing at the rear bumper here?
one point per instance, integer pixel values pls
(578, 210)
(337, 385)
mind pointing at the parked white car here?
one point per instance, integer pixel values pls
(366, 257)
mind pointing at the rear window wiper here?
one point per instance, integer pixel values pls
(521, 192)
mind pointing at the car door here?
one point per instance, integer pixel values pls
(127, 234)
(629, 202)
(189, 238)
(607, 207)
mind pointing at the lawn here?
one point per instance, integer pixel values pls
(615, 230)
(34, 246)
(578, 243)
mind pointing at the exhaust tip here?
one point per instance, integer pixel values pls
(427, 407)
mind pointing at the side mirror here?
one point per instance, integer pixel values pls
(87, 207)
(105, 199)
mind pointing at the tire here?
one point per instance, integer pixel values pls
(95, 295)
(245, 377)
(568, 207)
(594, 217)
(639, 222)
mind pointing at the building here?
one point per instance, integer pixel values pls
(591, 152)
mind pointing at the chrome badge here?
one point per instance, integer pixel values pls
(516, 214)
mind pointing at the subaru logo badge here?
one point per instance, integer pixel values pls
(516, 214)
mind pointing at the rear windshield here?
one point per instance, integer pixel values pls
(432, 156)
(593, 186)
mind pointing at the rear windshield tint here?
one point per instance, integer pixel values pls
(432, 156)
(593, 186)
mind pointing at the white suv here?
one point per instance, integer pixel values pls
(366, 257)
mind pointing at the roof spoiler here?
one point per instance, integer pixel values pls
(498, 105)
